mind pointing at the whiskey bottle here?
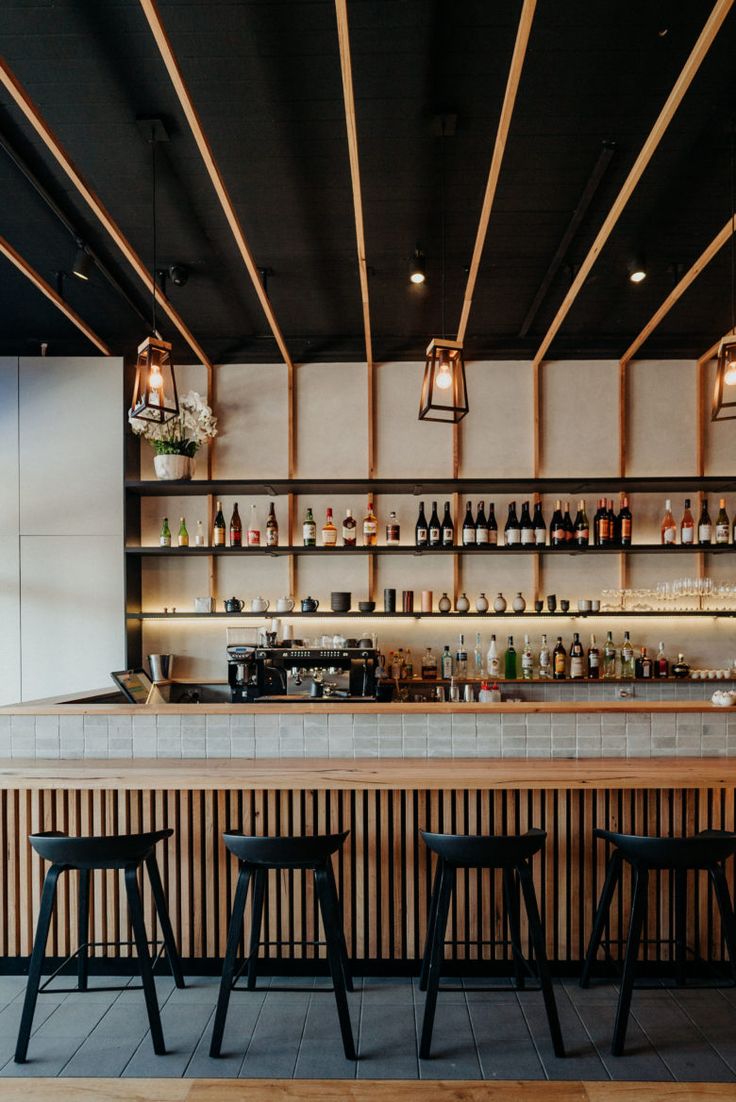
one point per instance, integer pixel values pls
(540, 528)
(236, 528)
(164, 539)
(668, 527)
(625, 524)
(182, 538)
(577, 659)
(643, 665)
(481, 527)
(582, 528)
(594, 660)
(329, 531)
(218, 533)
(661, 663)
(512, 530)
(528, 538)
(723, 525)
(349, 527)
(435, 528)
(559, 660)
(272, 527)
(448, 528)
(557, 536)
(493, 525)
(393, 530)
(509, 661)
(468, 533)
(254, 532)
(309, 529)
(705, 528)
(421, 531)
(370, 527)
(429, 666)
(687, 525)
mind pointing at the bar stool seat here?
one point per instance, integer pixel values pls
(256, 856)
(512, 854)
(124, 852)
(707, 851)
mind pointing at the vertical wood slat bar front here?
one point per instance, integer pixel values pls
(384, 873)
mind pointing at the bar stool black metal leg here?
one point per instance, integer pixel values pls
(330, 921)
(725, 906)
(234, 934)
(135, 907)
(431, 922)
(680, 876)
(613, 873)
(347, 970)
(437, 954)
(537, 935)
(162, 910)
(638, 910)
(83, 930)
(512, 910)
(34, 971)
(259, 890)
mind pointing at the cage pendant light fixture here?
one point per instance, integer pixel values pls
(724, 390)
(444, 394)
(154, 393)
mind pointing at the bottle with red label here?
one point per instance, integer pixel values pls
(601, 534)
(625, 523)
(557, 534)
(582, 527)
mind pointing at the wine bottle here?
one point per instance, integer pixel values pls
(448, 528)
(435, 528)
(559, 660)
(393, 530)
(594, 660)
(528, 538)
(509, 661)
(182, 538)
(254, 532)
(481, 527)
(527, 661)
(165, 538)
(236, 528)
(218, 533)
(577, 659)
(309, 529)
(329, 531)
(493, 525)
(600, 525)
(613, 535)
(349, 529)
(582, 527)
(421, 533)
(567, 524)
(627, 658)
(557, 534)
(370, 527)
(705, 528)
(512, 530)
(625, 523)
(272, 527)
(540, 528)
(668, 528)
(723, 524)
(468, 533)
(609, 657)
(687, 525)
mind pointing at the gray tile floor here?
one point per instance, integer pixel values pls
(683, 1035)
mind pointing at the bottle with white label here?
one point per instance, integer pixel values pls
(528, 537)
(668, 528)
(165, 537)
(512, 531)
(461, 658)
(594, 660)
(493, 663)
(446, 668)
(545, 662)
(254, 532)
(687, 525)
(481, 526)
(468, 529)
(627, 659)
(577, 659)
(723, 524)
(527, 661)
(705, 527)
(309, 529)
(540, 528)
(609, 657)
(199, 536)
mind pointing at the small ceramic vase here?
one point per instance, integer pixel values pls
(481, 603)
(463, 604)
(499, 605)
(444, 604)
(518, 604)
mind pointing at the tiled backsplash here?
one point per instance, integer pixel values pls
(292, 734)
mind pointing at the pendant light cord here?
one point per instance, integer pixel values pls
(443, 226)
(153, 227)
(733, 230)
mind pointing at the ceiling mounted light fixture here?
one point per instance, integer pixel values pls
(83, 262)
(724, 390)
(417, 267)
(444, 394)
(154, 393)
(637, 269)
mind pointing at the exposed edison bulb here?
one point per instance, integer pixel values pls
(729, 375)
(443, 379)
(155, 378)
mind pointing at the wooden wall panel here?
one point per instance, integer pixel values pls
(383, 874)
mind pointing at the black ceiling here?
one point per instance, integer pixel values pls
(265, 77)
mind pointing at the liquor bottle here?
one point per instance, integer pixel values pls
(408, 664)
(568, 525)
(528, 538)
(477, 657)
(601, 536)
(435, 528)
(349, 529)
(661, 663)
(643, 665)
(687, 525)
(680, 668)
(272, 527)
(705, 528)
(182, 538)
(461, 658)
(512, 530)
(557, 534)
(493, 525)
(481, 527)
(468, 533)
(429, 666)
(218, 533)
(594, 660)
(627, 659)
(613, 533)
(723, 524)
(309, 529)
(625, 523)
(393, 530)
(509, 661)
(559, 660)
(446, 664)
(527, 661)
(582, 527)
(370, 527)
(199, 537)
(493, 664)
(236, 528)
(545, 669)
(329, 531)
(448, 528)
(577, 659)
(609, 657)
(668, 528)
(421, 532)
(540, 528)
(254, 532)
(165, 538)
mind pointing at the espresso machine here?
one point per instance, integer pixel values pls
(301, 673)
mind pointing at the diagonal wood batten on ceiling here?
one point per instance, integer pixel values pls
(54, 146)
(675, 98)
(46, 289)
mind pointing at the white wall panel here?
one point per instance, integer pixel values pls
(251, 407)
(497, 433)
(406, 446)
(579, 418)
(662, 414)
(332, 421)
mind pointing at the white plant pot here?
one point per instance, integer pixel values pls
(173, 468)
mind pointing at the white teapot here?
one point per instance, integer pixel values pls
(285, 604)
(259, 604)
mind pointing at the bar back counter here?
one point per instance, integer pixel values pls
(383, 772)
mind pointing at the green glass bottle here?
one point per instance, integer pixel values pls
(309, 530)
(509, 661)
(165, 537)
(183, 537)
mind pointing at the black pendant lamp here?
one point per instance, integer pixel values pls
(724, 391)
(444, 394)
(154, 394)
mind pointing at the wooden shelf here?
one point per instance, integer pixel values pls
(408, 549)
(508, 617)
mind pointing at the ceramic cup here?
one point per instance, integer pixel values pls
(427, 600)
(595, 606)
(407, 600)
(583, 605)
(341, 601)
(389, 600)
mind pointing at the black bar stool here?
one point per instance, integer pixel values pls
(256, 857)
(512, 854)
(707, 850)
(126, 852)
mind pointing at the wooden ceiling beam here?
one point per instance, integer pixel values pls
(697, 55)
(504, 123)
(46, 289)
(343, 35)
(677, 292)
(54, 146)
(151, 12)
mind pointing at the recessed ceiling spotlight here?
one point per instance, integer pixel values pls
(83, 262)
(417, 267)
(637, 269)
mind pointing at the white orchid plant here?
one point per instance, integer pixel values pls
(182, 435)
